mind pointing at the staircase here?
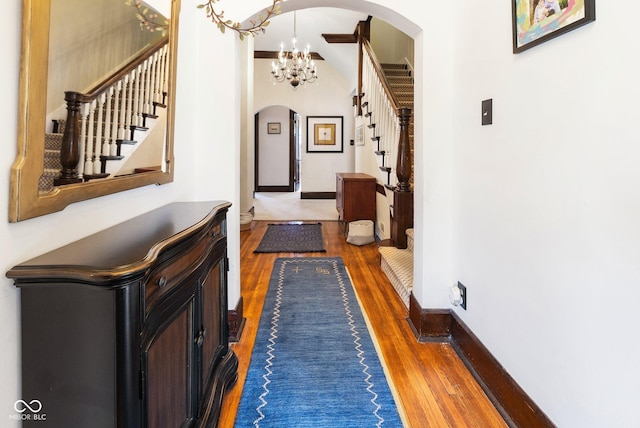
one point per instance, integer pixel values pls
(52, 165)
(388, 103)
(400, 79)
(397, 264)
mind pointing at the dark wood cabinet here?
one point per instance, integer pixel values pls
(128, 327)
(355, 196)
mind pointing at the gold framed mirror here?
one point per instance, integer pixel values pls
(28, 199)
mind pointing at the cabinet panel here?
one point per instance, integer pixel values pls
(355, 197)
(72, 333)
(169, 369)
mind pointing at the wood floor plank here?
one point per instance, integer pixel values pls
(433, 386)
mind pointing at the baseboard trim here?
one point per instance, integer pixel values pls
(267, 189)
(236, 321)
(317, 195)
(444, 325)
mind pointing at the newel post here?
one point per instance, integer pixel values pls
(403, 164)
(70, 150)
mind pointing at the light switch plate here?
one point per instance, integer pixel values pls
(487, 112)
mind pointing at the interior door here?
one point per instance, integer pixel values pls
(276, 134)
(297, 147)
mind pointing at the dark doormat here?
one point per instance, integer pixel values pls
(292, 238)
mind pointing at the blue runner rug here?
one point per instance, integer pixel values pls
(314, 363)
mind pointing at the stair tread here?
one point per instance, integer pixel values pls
(393, 65)
(401, 263)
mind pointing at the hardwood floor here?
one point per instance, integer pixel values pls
(433, 387)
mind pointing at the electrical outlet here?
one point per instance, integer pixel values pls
(463, 294)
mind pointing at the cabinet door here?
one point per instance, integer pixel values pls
(168, 362)
(215, 327)
(213, 322)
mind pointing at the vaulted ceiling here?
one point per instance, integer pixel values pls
(311, 24)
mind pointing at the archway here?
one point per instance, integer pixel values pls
(400, 22)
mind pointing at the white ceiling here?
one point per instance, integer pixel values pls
(310, 25)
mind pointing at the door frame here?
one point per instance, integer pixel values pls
(293, 164)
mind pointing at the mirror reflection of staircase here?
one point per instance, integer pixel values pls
(107, 126)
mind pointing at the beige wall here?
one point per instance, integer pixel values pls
(390, 44)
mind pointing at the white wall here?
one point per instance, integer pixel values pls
(247, 152)
(330, 95)
(546, 208)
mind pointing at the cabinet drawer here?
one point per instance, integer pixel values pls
(170, 272)
(216, 231)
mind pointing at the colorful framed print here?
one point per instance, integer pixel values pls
(536, 21)
(324, 134)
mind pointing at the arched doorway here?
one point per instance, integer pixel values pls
(277, 150)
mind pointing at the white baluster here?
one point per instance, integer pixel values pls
(154, 79)
(160, 83)
(84, 112)
(88, 159)
(135, 112)
(106, 126)
(147, 88)
(123, 108)
(130, 113)
(141, 76)
(99, 125)
(165, 73)
(113, 146)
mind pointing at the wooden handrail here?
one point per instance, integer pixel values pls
(383, 79)
(127, 68)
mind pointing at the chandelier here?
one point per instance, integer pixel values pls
(295, 67)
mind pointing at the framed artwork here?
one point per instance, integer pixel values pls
(273, 128)
(324, 134)
(359, 136)
(536, 21)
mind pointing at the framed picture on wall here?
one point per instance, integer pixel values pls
(273, 127)
(536, 21)
(359, 136)
(324, 134)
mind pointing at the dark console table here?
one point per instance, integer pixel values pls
(128, 327)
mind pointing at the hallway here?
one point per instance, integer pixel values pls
(433, 388)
